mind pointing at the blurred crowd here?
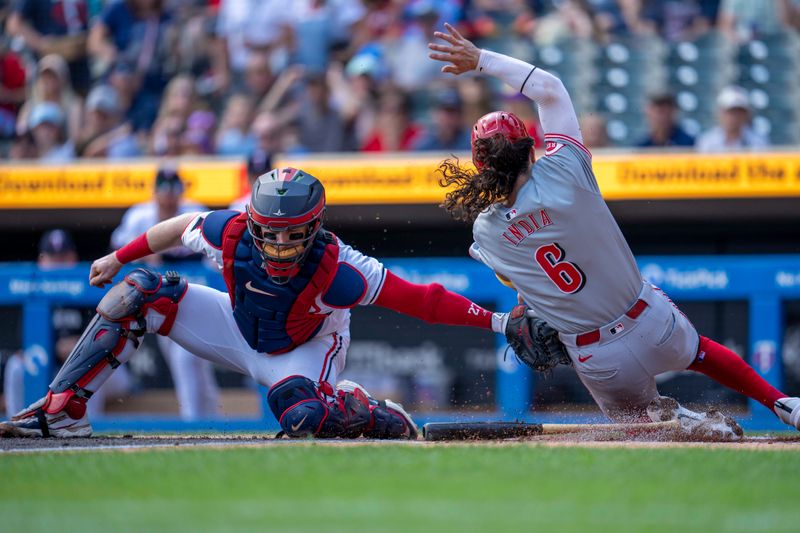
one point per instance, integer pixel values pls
(251, 78)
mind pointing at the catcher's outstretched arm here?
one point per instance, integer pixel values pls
(435, 304)
(162, 236)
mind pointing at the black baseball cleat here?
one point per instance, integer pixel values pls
(35, 421)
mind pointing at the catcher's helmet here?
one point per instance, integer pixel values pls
(498, 123)
(283, 217)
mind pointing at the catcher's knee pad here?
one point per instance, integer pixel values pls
(140, 291)
(302, 410)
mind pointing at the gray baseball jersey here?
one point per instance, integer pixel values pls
(559, 244)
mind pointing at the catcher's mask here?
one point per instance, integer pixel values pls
(283, 217)
(498, 123)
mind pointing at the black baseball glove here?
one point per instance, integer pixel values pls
(534, 341)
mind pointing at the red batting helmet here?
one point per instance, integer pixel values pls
(498, 123)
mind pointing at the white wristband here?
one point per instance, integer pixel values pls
(499, 321)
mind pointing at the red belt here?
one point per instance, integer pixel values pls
(591, 337)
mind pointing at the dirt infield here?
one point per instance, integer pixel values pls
(790, 442)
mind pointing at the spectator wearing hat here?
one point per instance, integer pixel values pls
(46, 124)
(448, 132)
(195, 384)
(664, 130)
(57, 250)
(733, 132)
(55, 27)
(167, 202)
(105, 133)
(52, 85)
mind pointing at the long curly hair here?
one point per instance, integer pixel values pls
(502, 162)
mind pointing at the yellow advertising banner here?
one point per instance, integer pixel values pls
(620, 177)
(395, 179)
(693, 176)
(375, 179)
(107, 184)
(380, 180)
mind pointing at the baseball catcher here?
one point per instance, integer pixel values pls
(284, 320)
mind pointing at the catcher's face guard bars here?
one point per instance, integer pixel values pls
(283, 248)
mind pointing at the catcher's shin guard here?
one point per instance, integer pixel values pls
(389, 419)
(303, 410)
(109, 341)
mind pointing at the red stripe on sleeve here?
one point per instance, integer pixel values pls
(431, 303)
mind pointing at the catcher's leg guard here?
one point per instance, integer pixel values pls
(303, 409)
(389, 419)
(109, 341)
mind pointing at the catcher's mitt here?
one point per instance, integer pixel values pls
(534, 341)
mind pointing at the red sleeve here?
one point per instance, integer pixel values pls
(431, 303)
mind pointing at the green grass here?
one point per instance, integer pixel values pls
(400, 488)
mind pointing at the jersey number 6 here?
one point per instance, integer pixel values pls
(568, 277)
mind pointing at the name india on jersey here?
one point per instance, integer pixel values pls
(530, 225)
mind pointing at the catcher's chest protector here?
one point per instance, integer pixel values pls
(275, 318)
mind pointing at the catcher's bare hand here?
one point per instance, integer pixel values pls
(460, 52)
(103, 270)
